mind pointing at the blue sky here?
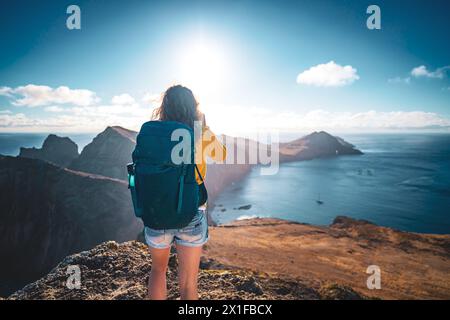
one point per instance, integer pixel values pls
(242, 59)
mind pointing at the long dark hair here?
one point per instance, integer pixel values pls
(178, 104)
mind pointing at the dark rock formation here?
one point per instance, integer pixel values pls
(57, 150)
(48, 212)
(316, 145)
(120, 271)
(108, 153)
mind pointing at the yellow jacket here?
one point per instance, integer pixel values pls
(208, 146)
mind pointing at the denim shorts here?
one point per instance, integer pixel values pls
(195, 234)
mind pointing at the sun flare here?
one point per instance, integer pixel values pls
(203, 68)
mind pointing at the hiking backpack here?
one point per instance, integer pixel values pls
(165, 195)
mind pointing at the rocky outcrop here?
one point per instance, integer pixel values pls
(57, 150)
(120, 271)
(108, 154)
(48, 212)
(111, 150)
(412, 266)
(269, 259)
(316, 145)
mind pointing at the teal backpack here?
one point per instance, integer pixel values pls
(165, 195)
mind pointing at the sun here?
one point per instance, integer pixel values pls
(203, 68)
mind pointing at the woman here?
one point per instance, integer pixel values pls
(179, 104)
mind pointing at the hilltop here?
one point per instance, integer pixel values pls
(108, 153)
(120, 271)
(60, 151)
(270, 259)
(413, 266)
(316, 145)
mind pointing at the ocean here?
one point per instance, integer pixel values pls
(402, 181)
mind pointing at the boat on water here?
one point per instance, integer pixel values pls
(318, 201)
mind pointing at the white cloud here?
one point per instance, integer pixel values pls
(95, 119)
(21, 122)
(151, 98)
(36, 95)
(69, 110)
(54, 109)
(123, 99)
(375, 120)
(18, 120)
(81, 120)
(400, 80)
(239, 120)
(125, 111)
(5, 91)
(422, 71)
(329, 74)
(369, 120)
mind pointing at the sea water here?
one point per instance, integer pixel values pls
(401, 181)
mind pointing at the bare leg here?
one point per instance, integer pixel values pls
(157, 286)
(188, 264)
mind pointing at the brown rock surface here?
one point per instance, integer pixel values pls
(270, 259)
(120, 271)
(413, 266)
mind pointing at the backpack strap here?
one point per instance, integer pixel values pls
(181, 188)
(132, 187)
(199, 174)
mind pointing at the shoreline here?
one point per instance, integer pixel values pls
(215, 223)
(256, 219)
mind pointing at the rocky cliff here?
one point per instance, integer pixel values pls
(57, 150)
(120, 271)
(270, 259)
(108, 154)
(48, 212)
